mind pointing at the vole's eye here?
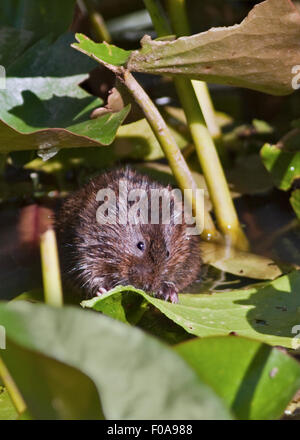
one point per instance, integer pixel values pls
(141, 245)
(168, 254)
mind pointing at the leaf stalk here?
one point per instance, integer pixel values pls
(12, 388)
(50, 269)
(208, 157)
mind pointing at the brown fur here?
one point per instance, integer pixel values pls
(95, 256)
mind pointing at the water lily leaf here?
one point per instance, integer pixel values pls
(52, 390)
(295, 202)
(44, 108)
(266, 311)
(283, 165)
(104, 53)
(256, 380)
(258, 54)
(137, 377)
(7, 409)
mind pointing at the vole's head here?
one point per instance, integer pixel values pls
(159, 258)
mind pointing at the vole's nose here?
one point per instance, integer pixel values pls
(144, 270)
(144, 277)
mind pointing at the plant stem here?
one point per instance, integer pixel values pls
(98, 24)
(212, 169)
(12, 388)
(50, 269)
(207, 107)
(179, 20)
(172, 152)
(156, 13)
(211, 166)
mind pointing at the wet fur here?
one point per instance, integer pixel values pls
(95, 256)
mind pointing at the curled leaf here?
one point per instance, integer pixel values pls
(260, 53)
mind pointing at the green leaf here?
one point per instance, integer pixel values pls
(266, 311)
(43, 107)
(13, 43)
(49, 140)
(7, 409)
(258, 54)
(256, 380)
(104, 53)
(51, 389)
(283, 165)
(131, 308)
(295, 202)
(127, 308)
(137, 377)
(42, 17)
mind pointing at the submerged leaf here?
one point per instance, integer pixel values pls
(259, 53)
(266, 311)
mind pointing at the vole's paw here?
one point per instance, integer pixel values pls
(168, 292)
(174, 297)
(101, 291)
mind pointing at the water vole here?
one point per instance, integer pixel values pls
(161, 259)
